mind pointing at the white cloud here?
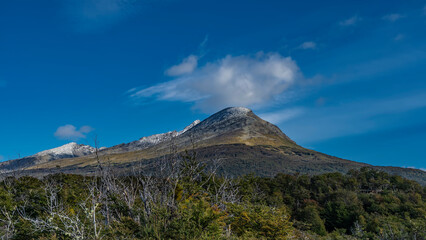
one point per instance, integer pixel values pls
(186, 66)
(308, 45)
(1, 158)
(350, 21)
(89, 15)
(70, 132)
(392, 17)
(231, 81)
(282, 115)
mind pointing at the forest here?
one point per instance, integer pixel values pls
(187, 199)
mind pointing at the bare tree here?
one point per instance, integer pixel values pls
(7, 219)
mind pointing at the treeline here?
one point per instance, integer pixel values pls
(187, 200)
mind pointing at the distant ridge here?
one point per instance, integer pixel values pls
(243, 142)
(69, 150)
(73, 150)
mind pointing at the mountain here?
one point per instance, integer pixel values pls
(236, 137)
(74, 150)
(69, 150)
(234, 125)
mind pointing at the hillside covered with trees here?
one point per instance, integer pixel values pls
(188, 201)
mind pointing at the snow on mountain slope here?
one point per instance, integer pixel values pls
(196, 122)
(152, 140)
(73, 149)
(233, 125)
(148, 141)
(68, 150)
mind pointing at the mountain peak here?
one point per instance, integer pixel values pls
(228, 114)
(234, 125)
(69, 149)
(234, 111)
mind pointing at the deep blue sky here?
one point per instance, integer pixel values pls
(347, 78)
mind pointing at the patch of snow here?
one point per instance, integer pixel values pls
(236, 111)
(225, 114)
(70, 149)
(152, 140)
(157, 138)
(193, 124)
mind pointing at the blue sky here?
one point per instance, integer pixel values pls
(347, 78)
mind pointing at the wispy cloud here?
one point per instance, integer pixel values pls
(399, 37)
(231, 81)
(1, 158)
(392, 17)
(378, 66)
(308, 45)
(350, 21)
(320, 101)
(202, 47)
(186, 66)
(91, 15)
(70, 132)
(351, 118)
(281, 116)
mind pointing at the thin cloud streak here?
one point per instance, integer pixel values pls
(351, 118)
(374, 67)
(392, 17)
(308, 45)
(350, 21)
(399, 37)
(92, 15)
(282, 116)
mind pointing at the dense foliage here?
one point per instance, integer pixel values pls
(188, 201)
(363, 204)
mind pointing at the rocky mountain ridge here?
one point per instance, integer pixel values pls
(73, 149)
(68, 150)
(243, 142)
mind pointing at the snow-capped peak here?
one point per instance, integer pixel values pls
(70, 149)
(226, 114)
(235, 111)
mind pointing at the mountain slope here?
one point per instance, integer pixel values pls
(147, 142)
(74, 150)
(237, 138)
(235, 125)
(69, 150)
